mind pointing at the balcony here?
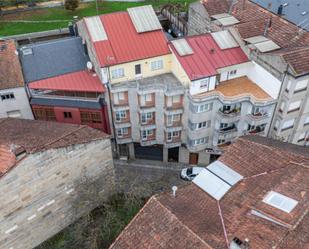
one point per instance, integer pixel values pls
(227, 130)
(258, 116)
(256, 130)
(229, 113)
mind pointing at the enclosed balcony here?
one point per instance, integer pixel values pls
(227, 128)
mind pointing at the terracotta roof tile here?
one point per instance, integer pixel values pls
(266, 166)
(10, 70)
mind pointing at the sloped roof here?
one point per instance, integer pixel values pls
(124, 44)
(10, 70)
(53, 58)
(265, 168)
(82, 81)
(33, 136)
(253, 18)
(207, 57)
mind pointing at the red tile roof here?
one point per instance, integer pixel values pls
(10, 69)
(124, 44)
(207, 57)
(82, 81)
(31, 136)
(293, 41)
(266, 165)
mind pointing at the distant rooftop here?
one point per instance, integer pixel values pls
(52, 58)
(267, 204)
(295, 11)
(10, 70)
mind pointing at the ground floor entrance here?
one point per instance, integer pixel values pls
(173, 154)
(154, 152)
(193, 158)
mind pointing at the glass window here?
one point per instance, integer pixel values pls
(156, 65)
(306, 120)
(138, 69)
(203, 108)
(288, 124)
(204, 83)
(117, 73)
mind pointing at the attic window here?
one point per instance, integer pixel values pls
(280, 201)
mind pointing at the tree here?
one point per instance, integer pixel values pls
(71, 4)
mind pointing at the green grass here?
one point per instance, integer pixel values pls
(8, 28)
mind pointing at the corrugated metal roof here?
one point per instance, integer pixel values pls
(211, 184)
(224, 39)
(207, 57)
(124, 44)
(81, 81)
(266, 46)
(144, 19)
(96, 28)
(182, 47)
(225, 172)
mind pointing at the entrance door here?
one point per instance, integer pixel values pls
(193, 159)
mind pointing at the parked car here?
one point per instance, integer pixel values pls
(190, 173)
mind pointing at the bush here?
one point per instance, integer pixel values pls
(71, 4)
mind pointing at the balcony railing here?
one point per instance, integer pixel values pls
(229, 129)
(257, 116)
(229, 113)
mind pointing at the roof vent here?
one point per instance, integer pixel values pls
(212, 50)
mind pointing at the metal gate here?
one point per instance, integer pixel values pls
(154, 152)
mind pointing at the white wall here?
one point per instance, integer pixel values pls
(242, 70)
(196, 89)
(19, 103)
(265, 80)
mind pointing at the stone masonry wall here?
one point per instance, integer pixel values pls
(49, 190)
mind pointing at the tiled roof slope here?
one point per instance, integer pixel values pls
(10, 70)
(265, 168)
(294, 42)
(33, 136)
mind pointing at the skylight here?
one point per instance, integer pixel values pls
(96, 28)
(182, 47)
(280, 201)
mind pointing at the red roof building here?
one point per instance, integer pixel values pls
(124, 43)
(207, 57)
(82, 81)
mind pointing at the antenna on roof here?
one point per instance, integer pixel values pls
(268, 23)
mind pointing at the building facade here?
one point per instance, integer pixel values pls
(50, 175)
(280, 47)
(64, 87)
(181, 100)
(14, 100)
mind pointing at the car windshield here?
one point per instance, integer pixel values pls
(189, 171)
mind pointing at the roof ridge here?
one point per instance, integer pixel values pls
(185, 226)
(63, 136)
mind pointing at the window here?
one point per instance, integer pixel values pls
(119, 97)
(47, 114)
(14, 114)
(301, 137)
(200, 141)
(176, 99)
(201, 125)
(120, 115)
(117, 73)
(203, 108)
(147, 133)
(301, 86)
(204, 83)
(173, 118)
(294, 106)
(67, 114)
(221, 141)
(280, 201)
(145, 98)
(7, 96)
(232, 73)
(306, 122)
(173, 134)
(138, 69)
(156, 65)
(122, 132)
(288, 124)
(145, 117)
(90, 117)
(276, 126)
(282, 105)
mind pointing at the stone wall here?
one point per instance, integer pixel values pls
(49, 190)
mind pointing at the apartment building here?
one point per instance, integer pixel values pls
(254, 196)
(228, 96)
(279, 46)
(180, 100)
(62, 84)
(14, 100)
(51, 174)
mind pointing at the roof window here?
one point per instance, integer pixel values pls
(280, 201)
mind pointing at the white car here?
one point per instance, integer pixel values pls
(190, 173)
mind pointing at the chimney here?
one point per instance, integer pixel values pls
(174, 189)
(280, 10)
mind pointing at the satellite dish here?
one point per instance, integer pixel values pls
(89, 65)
